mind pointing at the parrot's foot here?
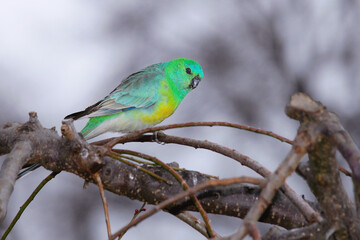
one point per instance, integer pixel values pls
(156, 138)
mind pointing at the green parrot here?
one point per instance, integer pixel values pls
(143, 99)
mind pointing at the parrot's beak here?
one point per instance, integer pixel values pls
(194, 82)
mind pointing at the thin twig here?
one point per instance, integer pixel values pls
(26, 204)
(194, 222)
(136, 213)
(151, 163)
(253, 230)
(128, 137)
(118, 157)
(135, 159)
(178, 177)
(179, 196)
(344, 171)
(106, 210)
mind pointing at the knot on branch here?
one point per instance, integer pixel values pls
(68, 129)
(33, 117)
(85, 156)
(31, 125)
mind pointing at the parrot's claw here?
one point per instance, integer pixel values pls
(156, 138)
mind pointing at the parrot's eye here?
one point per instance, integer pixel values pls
(188, 70)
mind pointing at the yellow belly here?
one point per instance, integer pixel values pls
(162, 109)
(159, 113)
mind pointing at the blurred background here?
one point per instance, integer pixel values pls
(60, 56)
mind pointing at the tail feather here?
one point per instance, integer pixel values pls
(93, 125)
(85, 112)
(76, 115)
(89, 128)
(28, 170)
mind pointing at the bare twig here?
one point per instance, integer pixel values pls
(153, 164)
(136, 213)
(194, 222)
(344, 171)
(106, 210)
(118, 157)
(26, 204)
(197, 188)
(132, 136)
(253, 230)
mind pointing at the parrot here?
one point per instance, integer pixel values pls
(143, 99)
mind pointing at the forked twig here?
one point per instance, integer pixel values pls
(194, 222)
(136, 213)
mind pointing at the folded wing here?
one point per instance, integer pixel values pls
(139, 90)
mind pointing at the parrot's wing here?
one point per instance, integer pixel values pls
(139, 90)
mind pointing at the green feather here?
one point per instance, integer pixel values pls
(94, 122)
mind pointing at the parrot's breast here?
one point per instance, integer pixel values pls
(163, 108)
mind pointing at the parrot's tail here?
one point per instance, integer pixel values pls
(87, 111)
(28, 170)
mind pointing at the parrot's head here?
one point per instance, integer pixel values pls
(185, 74)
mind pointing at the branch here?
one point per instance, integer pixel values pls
(105, 205)
(73, 154)
(8, 173)
(195, 223)
(179, 196)
(321, 173)
(276, 180)
(349, 150)
(111, 142)
(315, 231)
(310, 214)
